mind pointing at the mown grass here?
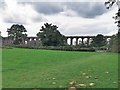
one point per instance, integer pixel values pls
(29, 68)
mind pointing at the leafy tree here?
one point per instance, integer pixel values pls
(99, 41)
(115, 41)
(17, 32)
(108, 5)
(50, 36)
(114, 44)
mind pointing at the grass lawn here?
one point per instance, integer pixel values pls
(29, 68)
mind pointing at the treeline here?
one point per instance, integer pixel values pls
(50, 36)
(113, 45)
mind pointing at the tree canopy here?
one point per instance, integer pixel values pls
(50, 36)
(17, 32)
(110, 3)
(114, 44)
(99, 41)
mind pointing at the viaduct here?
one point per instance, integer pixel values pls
(82, 39)
(35, 41)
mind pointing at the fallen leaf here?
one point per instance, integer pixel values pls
(106, 72)
(53, 82)
(83, 73)
(53, 78)
(88, 77)
(91, 84)
(114, 82)
(72, 82)
(72, 88)
(82, 85)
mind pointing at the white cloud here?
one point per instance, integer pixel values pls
(76, 25)
(68, 21)
(19, 13)
(14, 13)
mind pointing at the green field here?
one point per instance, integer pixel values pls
(29, 68)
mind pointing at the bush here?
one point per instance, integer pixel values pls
(64, 48)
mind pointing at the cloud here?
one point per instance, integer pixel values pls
(19, 13)
(83, 9)
(87, 9)
(102, 24)
(47, 7)
(81, 18)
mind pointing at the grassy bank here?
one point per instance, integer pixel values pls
(57, 69)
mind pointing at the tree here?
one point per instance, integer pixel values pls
(114, 44)
(50, 36)
(17, 32)
(108, 5)
(99, 41)
(116, 39)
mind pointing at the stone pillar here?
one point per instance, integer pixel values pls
(88, 41)
(32, 42)
(66, 39)
(37, 42)
(29, 40)
(26, 41)
(71, 41)
(23, 41)
(108, 40)
(77, 41)
(82, 41)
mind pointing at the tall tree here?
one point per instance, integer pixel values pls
(108, 5)
(17, 32)
(50, 36)
(116, 39)
(99, 41)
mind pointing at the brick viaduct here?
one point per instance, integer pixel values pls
(34, 41)
(82, 39)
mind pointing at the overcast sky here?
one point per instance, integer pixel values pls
(72, 18)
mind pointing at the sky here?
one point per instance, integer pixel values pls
(79, 18)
